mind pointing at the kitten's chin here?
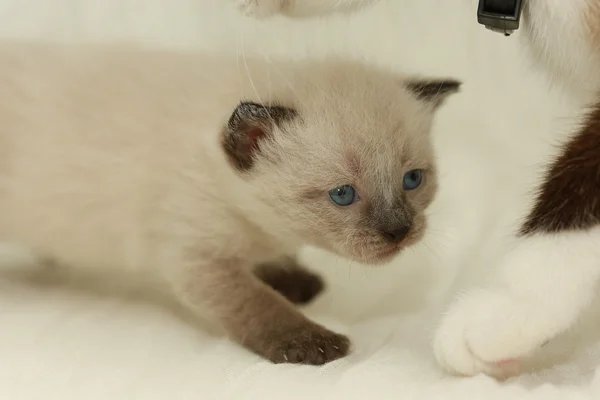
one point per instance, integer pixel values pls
(378, 257)
(382, 255)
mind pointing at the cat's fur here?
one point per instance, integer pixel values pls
(298, 8)
(544, 283)
(552, 273)
(205, 175)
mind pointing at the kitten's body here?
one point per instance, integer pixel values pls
(551, 272)
(125, 148)
(205, 175)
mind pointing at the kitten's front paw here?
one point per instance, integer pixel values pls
(490, 332)
(259, 8)
(310, 344)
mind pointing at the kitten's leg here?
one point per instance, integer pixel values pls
(543, 284)
(256, 316)
(290, 279)
(297, 8)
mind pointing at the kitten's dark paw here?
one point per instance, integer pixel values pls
(297, 285)
(311, 344)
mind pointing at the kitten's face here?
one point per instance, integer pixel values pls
(351, 171)
(361, 198)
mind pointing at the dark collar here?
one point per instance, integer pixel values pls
(500, 15)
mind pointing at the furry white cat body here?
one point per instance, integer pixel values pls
(538, 290)
(546, 281)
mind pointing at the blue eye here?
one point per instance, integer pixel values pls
(412, 179)
(343, 195)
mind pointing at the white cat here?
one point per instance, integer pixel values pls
(551, 273)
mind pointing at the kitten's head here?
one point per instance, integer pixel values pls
(346, 163)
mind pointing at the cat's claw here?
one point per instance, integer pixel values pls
(488, 332)
(259, 8)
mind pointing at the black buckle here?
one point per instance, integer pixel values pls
(500, 15)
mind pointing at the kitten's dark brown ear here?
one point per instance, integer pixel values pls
(433, 91)
(249, 124)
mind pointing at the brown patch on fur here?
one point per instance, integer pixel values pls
(570, 196)
(434, 91)
(307, 344)
(591, 20)
(248, 125)
(256, 316)
(391, 221)
(291, 280)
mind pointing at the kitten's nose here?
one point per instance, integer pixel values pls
(396, 235)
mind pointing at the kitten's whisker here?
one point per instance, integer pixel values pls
(248, 73)
(435, 254)
(281, 75)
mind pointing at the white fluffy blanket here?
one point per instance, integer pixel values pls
(492, 141)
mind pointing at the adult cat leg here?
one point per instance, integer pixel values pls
(256, 316)
(541, 288)
(544, 283)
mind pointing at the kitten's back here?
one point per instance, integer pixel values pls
(90, 138)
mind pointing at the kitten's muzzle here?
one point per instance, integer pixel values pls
(396, 234)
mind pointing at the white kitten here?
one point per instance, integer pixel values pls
(185, 170)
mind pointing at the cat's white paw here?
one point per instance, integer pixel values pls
(539, 290)
(259, 8)
(490, 331)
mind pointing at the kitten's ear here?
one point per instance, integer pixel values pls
(433, 91)
(249, 124)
